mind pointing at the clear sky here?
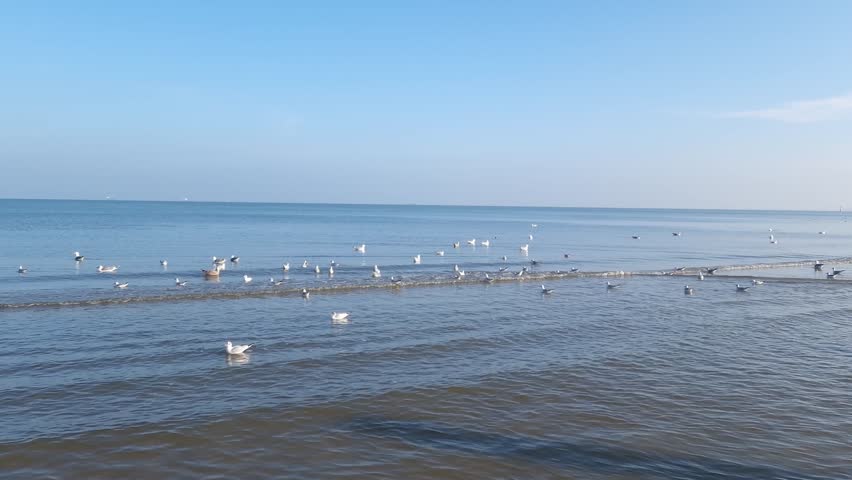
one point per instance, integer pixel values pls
(716, 104)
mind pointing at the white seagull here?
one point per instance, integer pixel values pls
(611, 286)
(472, 242)
(687, 290)
(456, 244)
(232, 349)
(416, 259)
(545, 290)
(530, 236)
(331, 271)
(525, 248)
(376, 272)
(235, 259)
(305, 264)
(360, 248)
(109, 269)
(78, 257)
(218, 261)
(164, 263)
(305, 293)
(822, 233)
(317, 269)
(488, 279)
(22, 269)
(286, 267)
(757, 282)
(246, 279)
(275, 282)
(700, 276)
(340, 317)
(742, 288)
(439, 253)
(676, 234)
(635, 237)
(179, 282)
(485, 243)
(120, 285)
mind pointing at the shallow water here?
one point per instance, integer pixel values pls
(445, 380)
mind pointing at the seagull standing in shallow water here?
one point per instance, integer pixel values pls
(286, 267)
(416, 259)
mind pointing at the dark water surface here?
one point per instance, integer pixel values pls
(455, 380)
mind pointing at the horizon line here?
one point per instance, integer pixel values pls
(250, 202)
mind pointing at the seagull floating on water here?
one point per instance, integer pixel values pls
(286, 267)
(822, 233)
(235, 259)
(317, 269)
(687, 290)
(246, 279)
(305, 293)
(232, 349)
(487, 279)
(340, 317)
(164, 263)
(545, 290)
(611, 286)
(534, 225)
(456, 244)
(700, 276)
(502, 269)
(635, 237)
(275, 282)
(504, 258)
(756, 282)
(485, 243)
(818, 265)
(525, 248)
(472, 242)
(530, 236)
(575, 269)
(360, 248)
(218, 261)
(179, 282)
(78, 257)
(305, 264)
(331, 271)
(376, 272)
(120, 284)
(836, 271)
(742, 288)
(210, 273)
(416, 259)
(395, 280)
(676, 234)
(712, 271)
(439, 253)
(109, 269)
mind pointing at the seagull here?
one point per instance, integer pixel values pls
(502, 269)
(456, 244)
(488, 279)
(342, 317)
(770, 229)
(120, 285)
(679, 269)
(109, 269)
(712, 271)
(575, 269)
(395, 280)
(700, 276)
(232, 349)
(757, 282)
(78, 257)
(635, 237)
(530, 236)
(164, 263)
(235, 259)
(246, 279)
(742, 288)
(566, 255)
(22, 269)
(534, 225)
(416, 259)
(439, 253)
(360, 248)
(317, 269)
(676, 234)
(211, 273)
(818, 265)
(610, 286)
(179, 282)
(332, 263)
(305, 293)
(520, 273)
(456, 268)
(773, 242)
(836, 271)
(504, 258)
(525, 248)
(822, 233)
(545, 290)
(459, 275)
(331, 271)
(275, 282)
(687, 290)
(218, 261)
(305, 264)
(286, 267)
(830, 275)
(376, 272)
(472, 242)
(485, 243)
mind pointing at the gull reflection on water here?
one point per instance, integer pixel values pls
(235, 360)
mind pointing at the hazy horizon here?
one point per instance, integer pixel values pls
(724, 105)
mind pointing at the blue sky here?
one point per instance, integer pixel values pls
(723, 104)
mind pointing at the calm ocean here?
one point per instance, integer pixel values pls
(437, 378)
